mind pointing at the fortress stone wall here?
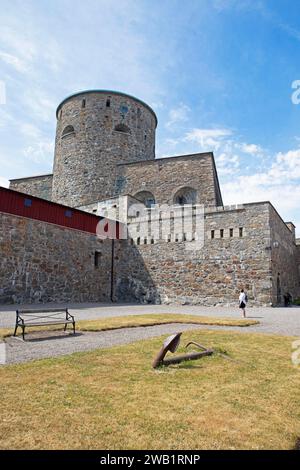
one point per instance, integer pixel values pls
(43, 262)
(237, 253)
(39, 186)
(95, 132)
(164, 178)
(104, 158)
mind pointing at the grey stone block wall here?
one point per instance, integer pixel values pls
(164, 177)
(212, 275)
(42, 262)
(108, 128)
(284, 252)
(39, 186)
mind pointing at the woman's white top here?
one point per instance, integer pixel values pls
(242, 298)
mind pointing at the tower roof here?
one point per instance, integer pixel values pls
(106, 92)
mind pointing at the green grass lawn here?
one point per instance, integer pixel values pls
(113, 399)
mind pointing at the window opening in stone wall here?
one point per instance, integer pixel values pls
(108, 103)
(68, 131)
(185, 195)
(138, 241)
(231, 232)
(122, 128)
(97, 258)
(83, 103)
(241, 232)
(212, 234)
(146, 197)
(221, 233)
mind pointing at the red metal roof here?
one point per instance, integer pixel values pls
(24, 205)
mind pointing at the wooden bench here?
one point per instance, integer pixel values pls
(43, 317)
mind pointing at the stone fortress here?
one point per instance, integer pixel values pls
(104, 165)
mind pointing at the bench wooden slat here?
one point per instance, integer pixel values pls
(62, 322)
(47, 310)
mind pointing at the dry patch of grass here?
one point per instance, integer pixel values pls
(112, 399)
(132, 321)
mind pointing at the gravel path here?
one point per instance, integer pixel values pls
(51, 344)
(282, 321)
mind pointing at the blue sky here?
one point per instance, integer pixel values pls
(218, 74)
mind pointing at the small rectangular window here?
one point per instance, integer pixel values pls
(68, 213)
(212, 234)
(241, 232)
(27, 202)
(108, 103)
(138, 241)
(97, 259)
(231, 232)
(83, 104)
(221, 233)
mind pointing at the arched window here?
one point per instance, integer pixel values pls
(185, 195)
(146, 198)
(122, 128)
(68, 131)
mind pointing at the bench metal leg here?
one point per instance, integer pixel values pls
(74, 328)
(23, 332)
(66, 324)
(15, 332)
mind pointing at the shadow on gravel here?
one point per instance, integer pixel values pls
(39, 339)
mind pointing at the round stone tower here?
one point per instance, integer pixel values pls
(96, 131)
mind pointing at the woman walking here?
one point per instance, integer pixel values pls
(242, 302)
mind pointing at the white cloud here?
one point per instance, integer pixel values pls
(30, 131)
(40, 152)
(14, 61)
(18, 51)
(178, 115)
(4, 182)
(207, 138)
(40, 105)
(227, 164)
(5, 117)
(288, 164)
(251, 149)
(280, 184)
